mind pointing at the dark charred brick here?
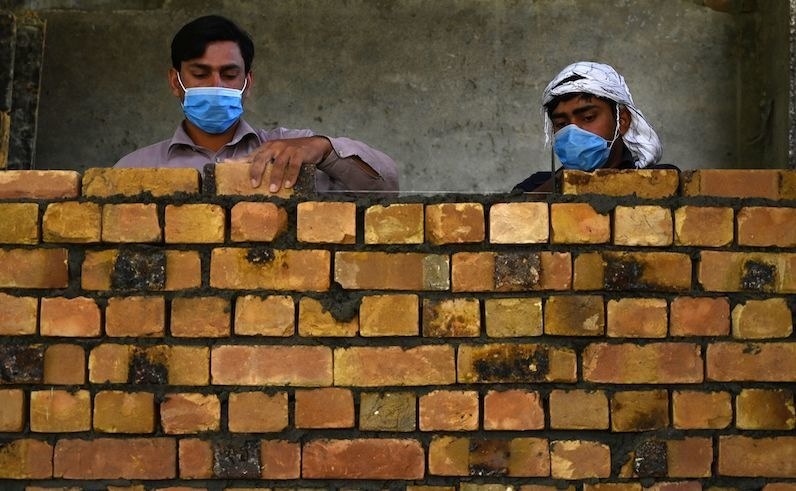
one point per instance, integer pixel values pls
(144, 370)
(651, 459)
(21, 364)
(489, 457)
(339, 302)
(516, 271)
(516, 364)
(260, 255)
(139, 269)
(758, 276)
(236, 459)
(209, 179)
(623, 274)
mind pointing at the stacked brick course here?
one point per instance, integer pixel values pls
(635, 331)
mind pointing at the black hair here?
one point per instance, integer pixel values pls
(192, 39)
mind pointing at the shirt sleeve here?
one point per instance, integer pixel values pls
(346, 173)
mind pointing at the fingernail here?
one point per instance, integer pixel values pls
(288, 184)
(273, 188)
(254, 183)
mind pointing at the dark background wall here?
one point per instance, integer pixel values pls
(449, 88)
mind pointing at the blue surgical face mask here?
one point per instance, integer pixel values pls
(579, 149)
(213, 109)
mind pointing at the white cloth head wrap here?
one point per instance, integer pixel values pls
(603, 81)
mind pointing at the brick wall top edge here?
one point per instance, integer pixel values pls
(233, 180)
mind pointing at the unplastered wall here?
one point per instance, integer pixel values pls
(158, 331)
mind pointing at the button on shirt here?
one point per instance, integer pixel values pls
(338, 172)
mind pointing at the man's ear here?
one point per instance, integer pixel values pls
(249, 83)
(174, 84)
(624, 120)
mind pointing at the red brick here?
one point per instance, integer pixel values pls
(654, 363)
(369, 366)
(757, 457)
(12, 410)
(515, 363)
(689, 457)
(699, 316)
(315, 320)
(701, 410)
(196, 459)
(556, 271)
(762, 409)
(326, 222)
(114, 458)
(33, 268)
(726, 271)
(363, 459)
(579, 223)
(448, 410)
(106, 182)
(130, 222)
(637, 318)
(513, 317)
(18, 315)
(511, 271)
(762, 226)
(183, 270)
(677, 486)
(240, 268)
(454, 223)
(257, 222)
(72, 222)
(779, 486)
(109, 363)
(59, 411)
(64, 364)
(391, 271)
(644, 183)
(578, 410)
(690, 229)
(770, 362)
(787, 184)
(72, 317)
(513, 410)
(639, 410)
(613, 486)
(124, 412)
(272, 365)
(280, 459)
(233, 179)
(26, 458)
(257, 412)
(389, 315)
(135, 316)
(387, 411)
(197, 317)
(633, 271)
(735, 183)
(762, 319)
(577, 315)
(330, 407)
(579, 459)
(453, 317)
(20, 224)
(198, 223)
(39, 184)
(265, 316)
(185, 413)
(519, 223)
(643, 225)
(396, 223)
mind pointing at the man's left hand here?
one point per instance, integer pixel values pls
(287, 157)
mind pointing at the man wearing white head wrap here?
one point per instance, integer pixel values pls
(590, 116)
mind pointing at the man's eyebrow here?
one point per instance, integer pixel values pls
(576, 112)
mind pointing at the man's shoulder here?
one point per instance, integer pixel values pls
(150, 156)
(533, 181)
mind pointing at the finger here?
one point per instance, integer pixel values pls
(278, 171)
(257, 169)
(293, 169)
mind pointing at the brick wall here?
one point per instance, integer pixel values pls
(162, 333)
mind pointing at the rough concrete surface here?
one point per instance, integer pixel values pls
(450, 88)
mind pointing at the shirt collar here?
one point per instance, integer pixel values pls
(181, 138)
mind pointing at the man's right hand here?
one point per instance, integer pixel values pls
(287, 157)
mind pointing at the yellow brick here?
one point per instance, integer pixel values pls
(20, 223)
(194, 224)
(105, 182)
(326, 222)
(518, 223)
(642, 226)
(72, 221)
(396, 223)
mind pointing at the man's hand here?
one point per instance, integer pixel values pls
(287, 157)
